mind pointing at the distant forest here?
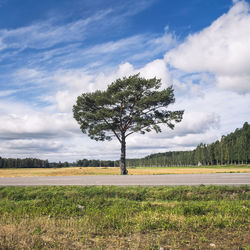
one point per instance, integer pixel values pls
(37, 163)
(231, 149)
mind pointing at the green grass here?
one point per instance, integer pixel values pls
(124, 217)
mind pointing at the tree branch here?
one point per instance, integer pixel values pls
(130, 115)
(119, 139)
(145, 127)
(156, 108)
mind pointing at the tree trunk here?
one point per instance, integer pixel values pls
(123, 168)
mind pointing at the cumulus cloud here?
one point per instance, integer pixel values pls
(36, 125)
(205, 120)
(142, 146)
(195, 123)
(237, 83)
(21, 123)
(222, 49)
(219, 53)
(158, 69)
(196, 127)
(78, 81)
(218, 112)
(33, 146)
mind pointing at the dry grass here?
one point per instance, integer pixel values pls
(49, 233)
(154, 171)
(72, 171)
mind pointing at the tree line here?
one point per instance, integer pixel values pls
(231, 149)
(96, 163)
(38, 163)
(30, 163)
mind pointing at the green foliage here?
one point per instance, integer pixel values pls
(96, 163)
(231, 149)
(29, 163)
(105, 211)
(129, 105)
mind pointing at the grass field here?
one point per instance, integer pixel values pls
(204, 217)
(115, 171)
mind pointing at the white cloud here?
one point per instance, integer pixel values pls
(20, 122)
(229, 109)
(196, 122)
(77, 81)
(59, 137)
(158, 69)
(222, 49)
(206, 119)
(236, 83)
(36, 125)
(134, 48)
(33, 146)
(114, 46)
(27, 74)
(196, 127)
(5, 93)
(51, 132)
(45, 34)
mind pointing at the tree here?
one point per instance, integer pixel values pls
(129, 105)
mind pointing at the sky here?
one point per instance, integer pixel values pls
(53, 51)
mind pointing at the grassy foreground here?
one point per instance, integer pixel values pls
(110, 217)
(21, 172)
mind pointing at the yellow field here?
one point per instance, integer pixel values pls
(70, 171)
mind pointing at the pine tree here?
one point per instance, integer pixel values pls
(129, 105)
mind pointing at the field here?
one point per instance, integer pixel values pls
(203, 217)
(70, 171)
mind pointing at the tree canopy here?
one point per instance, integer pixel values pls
(131, 104)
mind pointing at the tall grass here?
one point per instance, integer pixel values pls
(124, 217)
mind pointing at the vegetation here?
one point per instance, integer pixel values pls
(37, 163)
(231, 149)
(96, 163)
(79, 171)
(124, 217)
(23, 163)
(129, 105)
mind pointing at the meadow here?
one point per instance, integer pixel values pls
(110, 217)
(71, 171)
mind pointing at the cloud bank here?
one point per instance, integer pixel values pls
(209, 71)
(222, 49)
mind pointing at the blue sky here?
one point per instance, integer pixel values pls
(52, 51)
